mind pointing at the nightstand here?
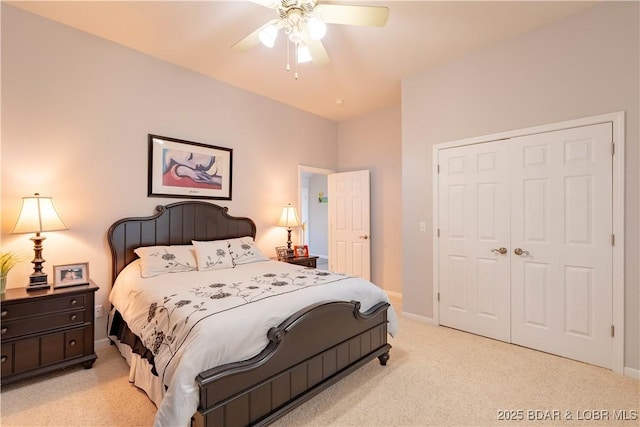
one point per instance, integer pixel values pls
(308, 261)
(45, 330)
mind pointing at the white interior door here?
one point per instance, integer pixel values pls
(562, 218)
(474, 239)
(349, 223)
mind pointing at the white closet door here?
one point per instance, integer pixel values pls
(561, 215)
(473, 221)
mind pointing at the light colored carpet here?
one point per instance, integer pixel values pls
(436, 377)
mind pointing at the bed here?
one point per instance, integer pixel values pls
(258, 338)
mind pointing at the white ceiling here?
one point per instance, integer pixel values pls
(367, 64)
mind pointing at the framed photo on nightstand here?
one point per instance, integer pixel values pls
(301, 251)
(70, 275)
(281, 252)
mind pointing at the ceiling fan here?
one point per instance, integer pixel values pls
(304, 23)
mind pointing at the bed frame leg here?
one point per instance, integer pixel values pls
(383, 358)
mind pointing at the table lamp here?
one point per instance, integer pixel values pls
(289, 219)
(38, 215)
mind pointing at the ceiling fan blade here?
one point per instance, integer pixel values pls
(271, 4)
(369, 16)
(253, 39)
(317, 51)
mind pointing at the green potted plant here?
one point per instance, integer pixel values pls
(7, 261)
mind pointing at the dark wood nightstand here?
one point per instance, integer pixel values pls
(308, 261)
(46, 330)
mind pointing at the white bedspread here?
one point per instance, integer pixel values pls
(196, 320)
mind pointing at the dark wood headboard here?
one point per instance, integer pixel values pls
(174, 224)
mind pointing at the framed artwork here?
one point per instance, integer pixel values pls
(301, 251)
(70, 274)
(281, 251)
(188, 170)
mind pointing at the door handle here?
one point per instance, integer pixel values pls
(500, 251)
(365, 237)
(519, 252)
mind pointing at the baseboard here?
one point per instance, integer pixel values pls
(632, 373)
(103, 343)
(394, 294)
(422, 319)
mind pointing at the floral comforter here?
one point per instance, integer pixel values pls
(193, 321)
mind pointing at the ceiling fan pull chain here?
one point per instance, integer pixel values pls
(295, 75)
(288, 65)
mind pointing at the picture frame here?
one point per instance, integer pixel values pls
(189, 170)
(70, 274)
(281, 252)
(301, 251)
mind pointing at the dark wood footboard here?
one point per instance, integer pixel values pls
(307, 353)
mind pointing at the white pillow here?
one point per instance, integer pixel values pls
(244, 250)
(156, 260)
(212, 255)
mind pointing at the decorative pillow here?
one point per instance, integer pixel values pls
(156, 260)
(244, 250)
(213, 255)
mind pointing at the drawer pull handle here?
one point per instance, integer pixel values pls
(74, 301)
(4, 330)
(5, 312)
(72, 343)
(3, 359)
(74, 317)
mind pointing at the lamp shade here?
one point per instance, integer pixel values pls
(38, 214)
(289, 217)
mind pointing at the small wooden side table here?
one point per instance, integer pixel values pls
(46, 329)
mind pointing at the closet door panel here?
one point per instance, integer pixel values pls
(473, 217)
(561, 219)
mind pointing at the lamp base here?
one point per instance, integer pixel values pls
(289, 243)
(38, 281)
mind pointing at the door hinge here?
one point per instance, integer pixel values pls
(613, 331)
(613, 240)
(613, 148)
(438, 168)
(438, 232)
(438, 296)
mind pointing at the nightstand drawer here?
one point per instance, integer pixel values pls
(49, 305)
(42, 323)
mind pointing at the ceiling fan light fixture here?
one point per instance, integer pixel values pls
(268, 35)
(304, 24)
(317, 28)
(303, 54)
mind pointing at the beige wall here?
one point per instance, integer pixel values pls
(582, 66)
(373, 142)
(76, 111)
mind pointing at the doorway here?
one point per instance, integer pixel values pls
(312, 203)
